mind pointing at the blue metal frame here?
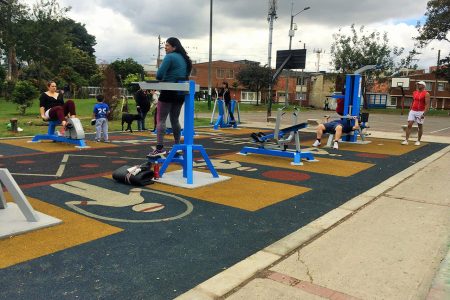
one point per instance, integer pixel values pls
(296, 155)
(221, 118)
(52, 136)
(188, 147)
(352, 103)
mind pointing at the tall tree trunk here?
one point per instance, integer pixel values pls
(12, 72)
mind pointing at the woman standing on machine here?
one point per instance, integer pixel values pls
(175, 66)
(224, 93)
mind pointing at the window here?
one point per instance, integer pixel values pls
(441, 86)
(428, 86)
(301, 81)
(225, 73)
(300, 96)
(247, 96)
(194, 72)
(393, 101)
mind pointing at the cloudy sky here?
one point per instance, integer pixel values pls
(240, 28)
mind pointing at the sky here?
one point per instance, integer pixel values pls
(240, 29)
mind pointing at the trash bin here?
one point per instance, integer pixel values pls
(13, 124)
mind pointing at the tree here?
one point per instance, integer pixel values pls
(52, 46)
(11, 19)
(436, 27)
(123, 68)
(255, 78)
(437, 24)
(78, 36)
(23, 94)
(111, 92)
(349, 53)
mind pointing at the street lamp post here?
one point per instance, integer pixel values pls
(210, 54)
(291, 34)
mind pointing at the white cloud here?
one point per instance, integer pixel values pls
(240, 29)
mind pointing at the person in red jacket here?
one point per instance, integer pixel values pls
(420, 105)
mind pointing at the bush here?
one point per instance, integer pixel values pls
(23, 94)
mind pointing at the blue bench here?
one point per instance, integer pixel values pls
(53, 136)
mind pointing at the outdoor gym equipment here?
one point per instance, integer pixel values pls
(282, 138)
(74, 133)
(352, 104)
(223, 118)
(188, 147)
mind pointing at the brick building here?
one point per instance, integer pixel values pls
(438, 88)
(226, 71)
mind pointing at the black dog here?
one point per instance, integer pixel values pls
(129, 118)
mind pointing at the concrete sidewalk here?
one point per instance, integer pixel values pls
(391, 242)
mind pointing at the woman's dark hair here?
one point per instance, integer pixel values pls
(174, 42)
(225, 83)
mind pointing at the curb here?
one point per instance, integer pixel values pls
(237, 275)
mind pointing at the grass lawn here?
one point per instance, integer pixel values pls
(32, 124)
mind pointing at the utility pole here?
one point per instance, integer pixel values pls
(291, 34)
(318, 52)
(272, 15)
(210, 53)
(436, 79)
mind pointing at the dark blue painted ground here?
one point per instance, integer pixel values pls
(164, 259)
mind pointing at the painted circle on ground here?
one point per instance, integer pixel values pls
(148, 207)
(372, 155)
(25, 162)
(287, 175)
(119, 161)
(89, 166)
(187, 203)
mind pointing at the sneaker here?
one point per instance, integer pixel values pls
(417, 143)
(336, 145)
(317, 143)
(179, 153)
(98, 140)
(157, 153)
(61, 132)
(405, 142)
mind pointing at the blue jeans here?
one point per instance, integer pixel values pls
(141, 122)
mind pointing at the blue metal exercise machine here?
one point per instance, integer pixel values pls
(223, 119)
(352, 106)
(281, 137)
(188, 88)
(73, 135)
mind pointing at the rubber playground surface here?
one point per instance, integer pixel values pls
(157, 242)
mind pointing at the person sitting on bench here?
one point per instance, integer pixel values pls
(336, 127)
(53, 108)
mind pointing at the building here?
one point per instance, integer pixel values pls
(226, 71)
(438, 88)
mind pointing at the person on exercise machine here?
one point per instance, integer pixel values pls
(336, 127)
